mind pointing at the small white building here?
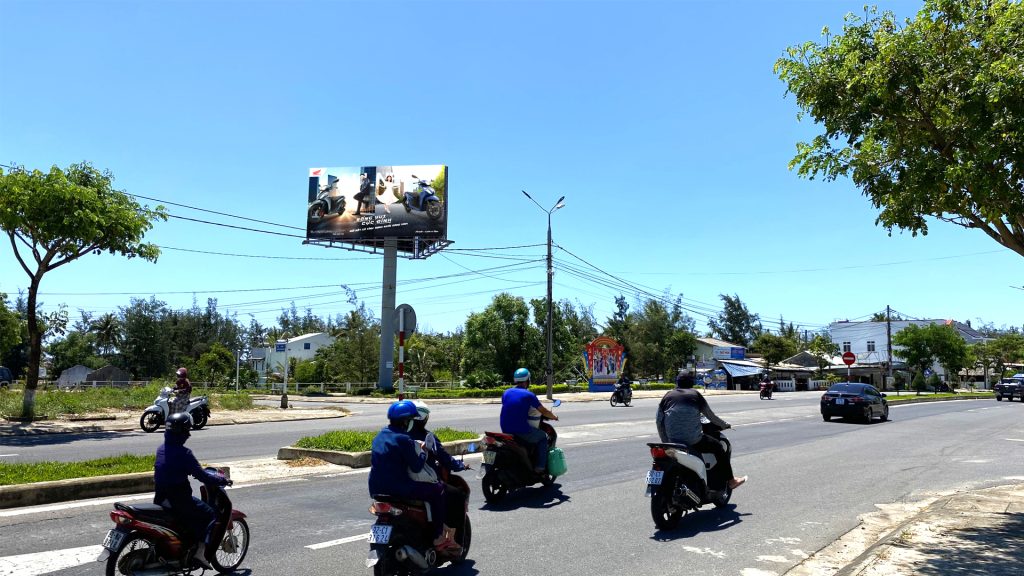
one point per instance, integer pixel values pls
(267, 360)
(73, 376)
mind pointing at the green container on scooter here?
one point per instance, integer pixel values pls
(556, 462)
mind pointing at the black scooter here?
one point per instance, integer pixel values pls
(325, 204)
(508, 465)
(623, 394)
(423, 199)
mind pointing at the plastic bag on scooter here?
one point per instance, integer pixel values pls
(556, 462)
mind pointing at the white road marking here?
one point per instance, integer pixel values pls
(757, 572)
(975, 461)
(778, 559)
(46, 562)
(704, 551)
(604, 440)
(7, 455)
(1014, 439)
(361, 537)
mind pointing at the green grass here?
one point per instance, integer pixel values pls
(360, 440)
(906, 396)
(28, 472)
(52, 404)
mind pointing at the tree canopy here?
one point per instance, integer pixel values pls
(923, 115)
(735, 323)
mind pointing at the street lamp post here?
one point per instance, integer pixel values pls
(551, 273)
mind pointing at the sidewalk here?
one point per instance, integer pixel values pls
(968, 533)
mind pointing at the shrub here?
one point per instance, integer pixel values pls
(919, 383)
(312, 390)
(360, 440)
(483, 379)
(232, 401)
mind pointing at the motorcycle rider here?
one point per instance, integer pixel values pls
(365, 194)
(678, 421)
(174, 464)
(396, 458)
(767, 386)
(182, 393)
(455, 498)
(520, 417)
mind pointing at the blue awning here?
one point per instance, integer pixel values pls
(740, 370)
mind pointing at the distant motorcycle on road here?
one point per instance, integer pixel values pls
(155, 416)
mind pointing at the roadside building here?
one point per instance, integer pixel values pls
(73, 376)
(268, 361)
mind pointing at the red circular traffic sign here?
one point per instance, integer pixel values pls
(849, 358)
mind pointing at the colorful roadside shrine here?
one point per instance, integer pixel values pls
(605, 360)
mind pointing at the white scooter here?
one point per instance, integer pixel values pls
(157, 414)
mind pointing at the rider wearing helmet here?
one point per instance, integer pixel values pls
(520, 416)
(174, 464)
(182, 390)
(395, 459)
(439, 460)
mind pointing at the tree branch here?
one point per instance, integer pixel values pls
(17, 254)
(81, 252)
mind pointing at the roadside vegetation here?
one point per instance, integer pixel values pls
(892, 398)
(28, 472)
(360, 440)
(53, 404)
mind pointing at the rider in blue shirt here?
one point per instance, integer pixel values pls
(395, 457)
(520, 416)
(174, 464)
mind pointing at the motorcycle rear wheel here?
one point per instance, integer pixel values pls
(199, 418)
(434, 209)
(493, 489)
(464, 537)
(237, 538)
(135, 553)
(150, 421)
(665, 517)
(723, 500)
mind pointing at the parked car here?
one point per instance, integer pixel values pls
(854, 400)
(6, 378)
(1010, 388)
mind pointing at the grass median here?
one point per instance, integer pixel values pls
(905, 396)
(52, 404)
(13, 473)
(360, 440)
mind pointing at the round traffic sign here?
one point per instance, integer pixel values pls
(849, 358)
(409, 320)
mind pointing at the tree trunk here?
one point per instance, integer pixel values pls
(35, 345)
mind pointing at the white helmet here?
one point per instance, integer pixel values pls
(422, 410)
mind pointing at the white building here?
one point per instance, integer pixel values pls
(868, 340)
(267, 360)
(73, 376)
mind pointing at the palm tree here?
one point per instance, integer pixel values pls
(107, 329)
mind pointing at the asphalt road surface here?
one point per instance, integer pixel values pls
(809, 480)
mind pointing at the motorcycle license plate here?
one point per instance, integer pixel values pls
(654, 477)
(840, 401)
(113, 540)
(490, 456)
(380, 533)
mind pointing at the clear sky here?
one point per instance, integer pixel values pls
(661, 123)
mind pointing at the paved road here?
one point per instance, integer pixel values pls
(809, 482)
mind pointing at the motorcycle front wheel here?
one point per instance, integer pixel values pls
(434, 209)
(199, 418)
(494, 491)
(612, 400)
(134, 554)
(150, 421)
(232, 549)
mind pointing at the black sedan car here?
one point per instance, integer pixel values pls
(854, 400)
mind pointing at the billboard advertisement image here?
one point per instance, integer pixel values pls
(364, 205)
(605, 359)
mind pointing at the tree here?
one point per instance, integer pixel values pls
(1006, 349)
(216, 366)
(914, 347)
(74, 349)
(10, 327)
(501, 339)
(949, 349)
(923, 346)
(107, 329)
(823, 349)
(923, 115)
(735, 323)
(146, 347)
(90, 217)
(355, 354)
(774, 349)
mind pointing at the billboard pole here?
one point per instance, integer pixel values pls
(387, 316)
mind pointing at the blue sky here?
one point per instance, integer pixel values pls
(661, 123)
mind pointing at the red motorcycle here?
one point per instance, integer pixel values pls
(766, 390)
(402, 540)
(147, 541)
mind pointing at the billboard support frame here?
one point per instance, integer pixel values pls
(423, 249)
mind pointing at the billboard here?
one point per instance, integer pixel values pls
(364, 205)
(728, 352)
(605, 359)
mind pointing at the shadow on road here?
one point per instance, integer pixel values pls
(532, 497)
(29, 440)
(984, 550)
(702, 521)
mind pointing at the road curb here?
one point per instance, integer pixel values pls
(14, 429)
(362, 459)
(74, 489)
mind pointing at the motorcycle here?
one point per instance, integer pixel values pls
(155, 416)
(623, 394)
(766, 391)
(423, 199)
(682, 479)
(508, 465)
(146, 541)
(401, 540)
(325, 204)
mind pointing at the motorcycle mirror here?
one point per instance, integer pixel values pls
(556, 403)
(471, 447)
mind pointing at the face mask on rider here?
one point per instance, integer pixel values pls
(408, 427)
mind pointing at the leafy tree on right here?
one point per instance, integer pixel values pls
(923, 115)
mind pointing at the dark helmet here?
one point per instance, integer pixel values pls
(684, 380)
(179, 423)
(182, 372)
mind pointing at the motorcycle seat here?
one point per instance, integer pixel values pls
(398, 500)
(501, 436)
(147, 512)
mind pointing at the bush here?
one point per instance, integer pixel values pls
(312, 390)
(360, 440)
(919, 383)
(232, 401)
(483, 379)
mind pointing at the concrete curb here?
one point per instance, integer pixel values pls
(82, 427)
(362, 459)
(74, 489)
